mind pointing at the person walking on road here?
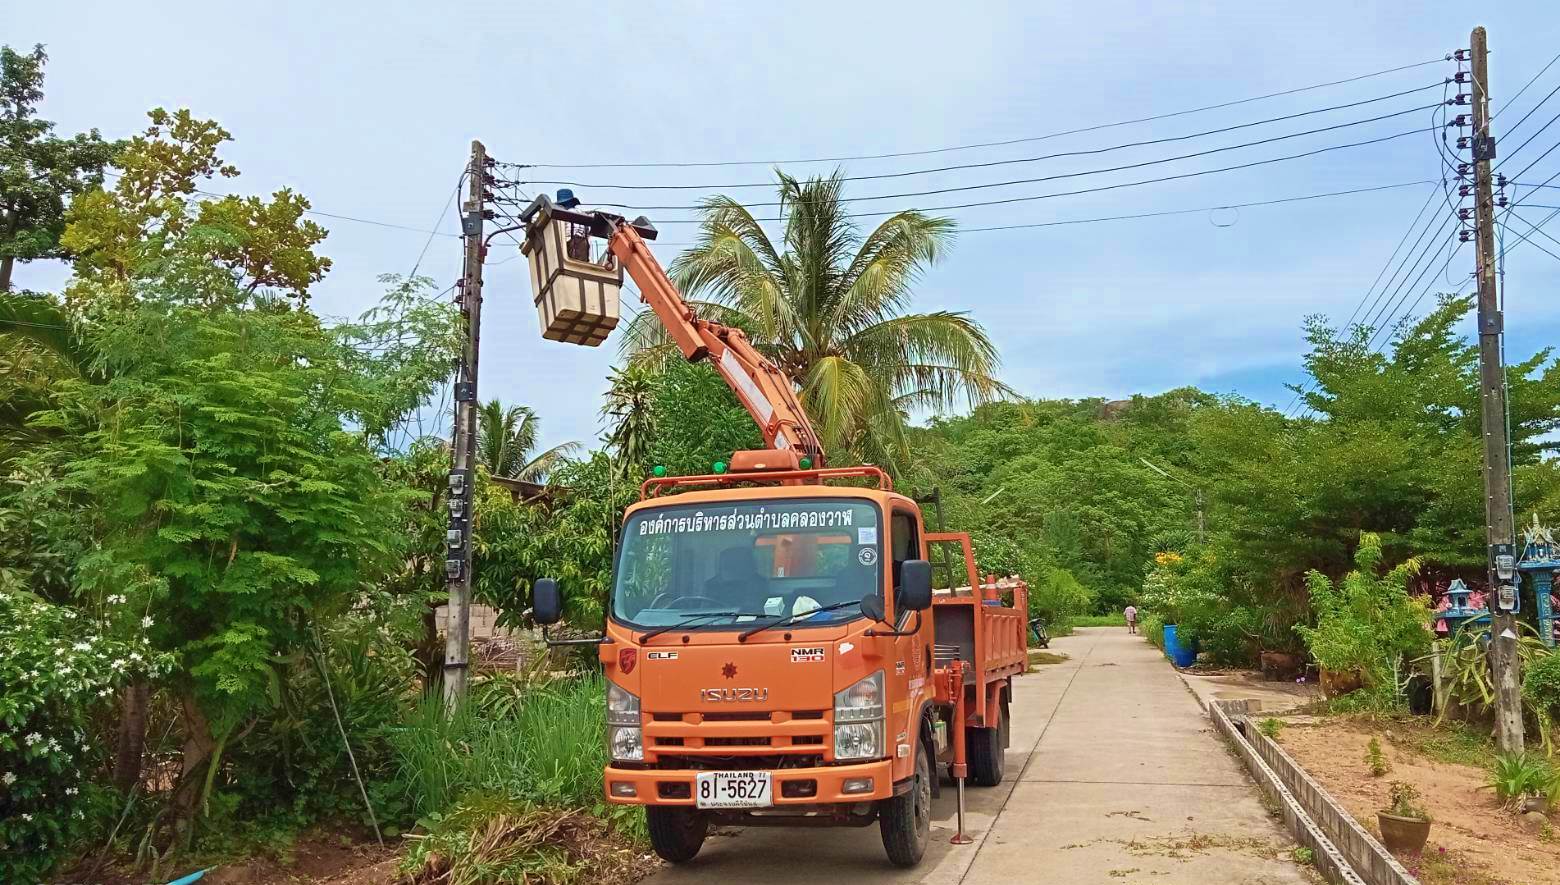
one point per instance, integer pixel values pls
(1131, 613)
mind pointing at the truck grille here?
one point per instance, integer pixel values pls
(739, 763)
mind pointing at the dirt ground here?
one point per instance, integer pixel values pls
(1472, 841)
(315, 860)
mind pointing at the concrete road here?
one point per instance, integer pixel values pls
(1114, 776)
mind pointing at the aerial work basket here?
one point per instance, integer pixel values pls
(576, 295)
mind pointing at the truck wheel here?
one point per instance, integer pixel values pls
(676, 833)
(988, 762)
(906, 821)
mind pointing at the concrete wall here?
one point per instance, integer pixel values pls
(1344, 851)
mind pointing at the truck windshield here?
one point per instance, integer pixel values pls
(761, 559)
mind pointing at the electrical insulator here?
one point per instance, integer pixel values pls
(1462, 98)
(1464, 168)
(1462, 120)
(1500, 201)
(1464, 235)
(1500, 179)
(1464, 142)
(1462, 77)
(489, 214)
(1464, 190)
(1462, 54)
(1465, 214)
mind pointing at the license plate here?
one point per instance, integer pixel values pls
(732, 789)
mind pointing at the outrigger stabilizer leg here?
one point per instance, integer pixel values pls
(959, 769)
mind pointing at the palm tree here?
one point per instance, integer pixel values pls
(506, 436)
(829, 310)
(629, 413)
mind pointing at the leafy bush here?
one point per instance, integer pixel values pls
(1194, 592)
(1515, 775)
(1541, 691)
(1367, 623)
(1057, 596)
(1153, 629)
(1403, 799)
(1270, 727)
(56, 670)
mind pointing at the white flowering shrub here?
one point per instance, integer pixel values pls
(56, 668)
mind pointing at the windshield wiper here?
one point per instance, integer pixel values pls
(791, 619)
(694, 620)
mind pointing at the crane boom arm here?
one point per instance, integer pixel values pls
(764, 390)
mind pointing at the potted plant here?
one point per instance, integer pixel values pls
(1405, 825)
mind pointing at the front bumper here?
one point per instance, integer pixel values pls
(675, 787)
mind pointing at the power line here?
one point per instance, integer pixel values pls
(1020, 160)
(1159, 214)
(965, 147)
(434, 231)
(1401, 266)
(1539, 160)
(1530, 139)
(1532, 229)
(1087, 172)
(1092, 190)
(1532, 109)
(1534, 79)
(323, 214)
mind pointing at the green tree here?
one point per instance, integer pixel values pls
(827, 305)
(231, 504)
(628, 414)
(39, 172)
(150, 227)
(506, 439)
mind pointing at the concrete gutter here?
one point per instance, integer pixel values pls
(1312, 816)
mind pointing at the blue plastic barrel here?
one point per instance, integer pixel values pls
(1180, 655)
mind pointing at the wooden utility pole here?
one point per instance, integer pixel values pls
(1492, 394)
(457, 565)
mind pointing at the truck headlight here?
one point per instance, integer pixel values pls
(625, 738)
(627, 743)
(858, 719)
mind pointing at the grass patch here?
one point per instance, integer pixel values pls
(548, 750)
(1116, 619)
(1041, 658)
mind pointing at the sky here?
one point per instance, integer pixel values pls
(369, 108)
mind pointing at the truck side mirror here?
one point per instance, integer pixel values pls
(915, 586)
(546, 601)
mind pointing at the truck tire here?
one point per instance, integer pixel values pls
(988, 762)
(676, 833)
(906, 821)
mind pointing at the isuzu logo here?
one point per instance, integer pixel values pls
(719, 695)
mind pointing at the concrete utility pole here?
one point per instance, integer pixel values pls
(457, 565)
(1492, 394)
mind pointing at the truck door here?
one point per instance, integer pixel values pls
(913, 653)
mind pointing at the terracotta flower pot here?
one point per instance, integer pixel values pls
(1403, 835)
(1337, 683)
